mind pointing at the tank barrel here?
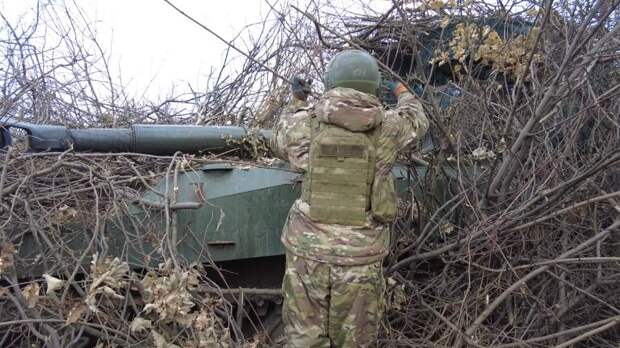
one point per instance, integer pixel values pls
(100, 139)
(140, 138)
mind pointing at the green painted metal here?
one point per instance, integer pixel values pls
(155, 139)
(224, 212)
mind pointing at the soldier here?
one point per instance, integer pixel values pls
(337, 233)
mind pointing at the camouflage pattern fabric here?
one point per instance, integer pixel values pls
(342, 244)
(353, 110)
(327, 305)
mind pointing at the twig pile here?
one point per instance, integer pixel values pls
(67, 198)
(509, 239)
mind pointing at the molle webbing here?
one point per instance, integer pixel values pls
(337, 185)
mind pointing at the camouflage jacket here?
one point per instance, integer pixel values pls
(334, 243)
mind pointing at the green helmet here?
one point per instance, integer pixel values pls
(353, 69)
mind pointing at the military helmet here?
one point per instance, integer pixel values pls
(353, 69)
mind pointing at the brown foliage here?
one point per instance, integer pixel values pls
(510, 239)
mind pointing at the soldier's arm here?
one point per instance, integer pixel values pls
(411, 119)
(291, 138)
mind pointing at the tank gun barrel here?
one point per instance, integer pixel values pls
(139, 138)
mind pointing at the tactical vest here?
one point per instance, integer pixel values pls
(337, 185)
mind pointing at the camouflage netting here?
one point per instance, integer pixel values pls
(511, 239)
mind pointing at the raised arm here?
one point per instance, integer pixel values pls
(409, 115)
(401, 127)
(291, 138)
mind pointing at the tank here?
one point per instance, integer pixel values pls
(228, 213)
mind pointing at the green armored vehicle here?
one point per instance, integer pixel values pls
(226, 213)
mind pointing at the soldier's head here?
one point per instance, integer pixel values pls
(353, 69)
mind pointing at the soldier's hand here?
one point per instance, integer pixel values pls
(300, 88)
(396, 87)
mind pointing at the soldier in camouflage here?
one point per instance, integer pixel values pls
(337, 233)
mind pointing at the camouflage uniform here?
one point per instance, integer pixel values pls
(333, 285)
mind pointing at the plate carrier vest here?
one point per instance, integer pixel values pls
(337, 185)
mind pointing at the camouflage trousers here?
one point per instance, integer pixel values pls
(328, 305)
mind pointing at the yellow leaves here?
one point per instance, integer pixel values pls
(442, 59)
(439, 5)
(75, 313)
(491, 47)
(436, 4)
(31, 294)
(484, 45)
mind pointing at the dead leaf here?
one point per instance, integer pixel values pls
(53, 283)
(65, 213)
(75, 313)
(91, 302)
(446, 228)
(112, 272)
(8, 249)
(140, 324)
(160, 341)
(31, 294)
(445, 22)
(203, 321)
(436, 4)
(6, 256)
(108, 291)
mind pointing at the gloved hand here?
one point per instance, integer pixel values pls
(396, 87)
(300, 88)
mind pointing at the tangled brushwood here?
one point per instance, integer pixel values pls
(510, 237)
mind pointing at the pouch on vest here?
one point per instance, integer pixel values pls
(340, 175)
(383, 198)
